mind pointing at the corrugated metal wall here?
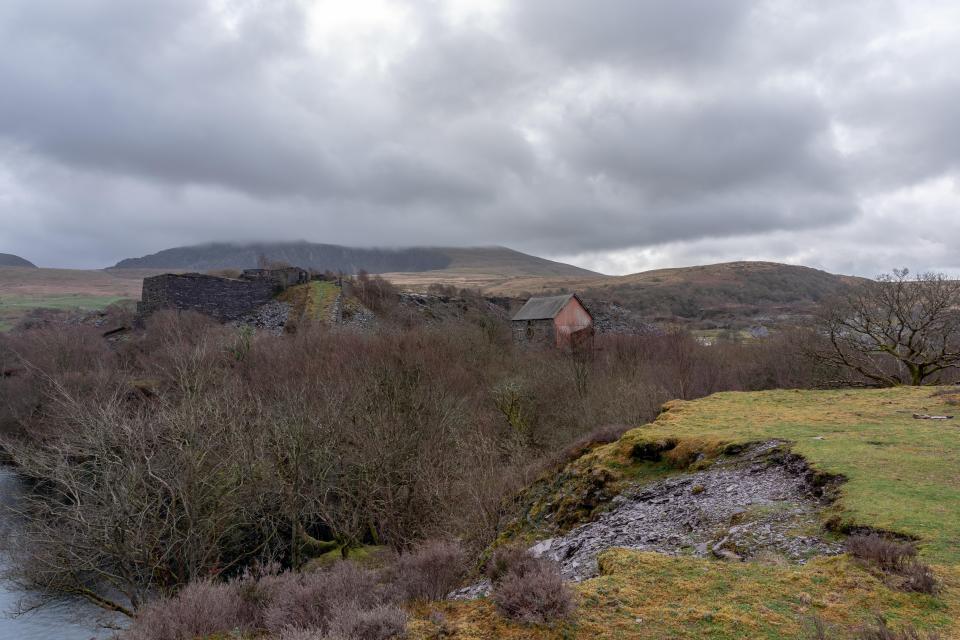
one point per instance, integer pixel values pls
(571, 318)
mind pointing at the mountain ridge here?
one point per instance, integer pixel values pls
(322, 257)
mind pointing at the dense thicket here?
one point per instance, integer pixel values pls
(192, 451)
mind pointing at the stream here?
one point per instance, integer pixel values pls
(71, 620)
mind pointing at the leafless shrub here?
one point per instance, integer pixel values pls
(430, 571)
(312, 600)
(379, 623)
(885, 552)
(537, 595)
(880, 631)
(301, 602)
(818, 629)
(892, 556)
(510, 560)
(301, 634)
(919, 578)
(201, 609)
(376, 293)
(599, 436)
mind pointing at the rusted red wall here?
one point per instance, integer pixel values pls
(571, 318)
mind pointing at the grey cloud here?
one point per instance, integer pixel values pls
(663, 36)
(672, 150)
(560, 127)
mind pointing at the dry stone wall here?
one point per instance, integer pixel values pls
(533, 332)
(221, 298)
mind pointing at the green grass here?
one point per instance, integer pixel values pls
(311, 301)
(320, 300)
(902, 475)
(14, 307)
(653, 596)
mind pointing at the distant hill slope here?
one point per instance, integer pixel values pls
(729, 295)
(10, 260)
(722, 292)
(350, 259)
(504, 261)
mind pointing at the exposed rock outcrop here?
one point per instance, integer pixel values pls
(739, 508)
(759, 503)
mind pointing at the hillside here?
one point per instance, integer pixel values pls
(722, 294)
(874, 466)
(10, 260)
(728, 295)
(322, 257)
(704, 298)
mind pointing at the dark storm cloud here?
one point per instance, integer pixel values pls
(603, 129)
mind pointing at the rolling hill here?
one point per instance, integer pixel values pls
(717, 297)
(728, 295)
(722, 294)
(322, 257)
(10, 260)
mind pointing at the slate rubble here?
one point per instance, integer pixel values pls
(758, 504)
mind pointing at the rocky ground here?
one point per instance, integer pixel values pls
(271, 317)
(611, 318)
(437, 308)
(746, 507)
(758, 505)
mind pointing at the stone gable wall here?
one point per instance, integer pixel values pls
(534, 332)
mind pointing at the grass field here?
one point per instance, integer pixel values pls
(13, 308)
(24, 289)
(902, 475)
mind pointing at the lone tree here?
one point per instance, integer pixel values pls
(896, 329)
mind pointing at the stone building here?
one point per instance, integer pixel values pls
(561, 321)
(225, 299)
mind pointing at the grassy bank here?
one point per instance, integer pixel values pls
(901, 475)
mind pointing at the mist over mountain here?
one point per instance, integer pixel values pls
(323, 257)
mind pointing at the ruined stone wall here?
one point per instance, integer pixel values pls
(220, 298)
(533, 332)
(284, 277)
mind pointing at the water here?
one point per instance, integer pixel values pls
(64, 621)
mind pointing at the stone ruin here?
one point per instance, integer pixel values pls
(225, 299)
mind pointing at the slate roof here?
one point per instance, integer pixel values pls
(543, 308)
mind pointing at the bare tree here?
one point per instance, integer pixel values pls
(895, 330)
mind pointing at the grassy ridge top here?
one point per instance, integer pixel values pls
(902, 474)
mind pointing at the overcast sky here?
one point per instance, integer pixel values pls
(620, 135)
